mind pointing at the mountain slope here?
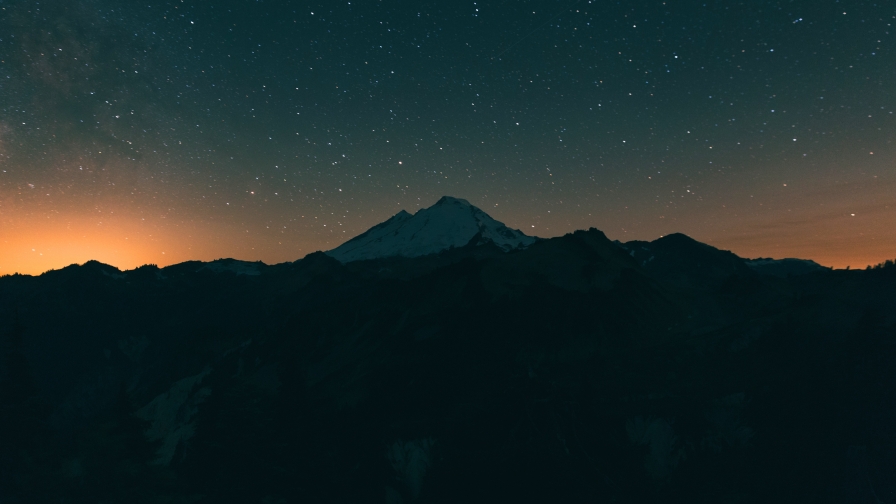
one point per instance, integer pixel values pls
(683, 261)
(450, 223)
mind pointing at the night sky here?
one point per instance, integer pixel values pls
(159, 132)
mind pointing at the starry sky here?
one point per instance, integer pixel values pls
(159, 132)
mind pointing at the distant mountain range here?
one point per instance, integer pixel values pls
(443, 357)
(453, 223)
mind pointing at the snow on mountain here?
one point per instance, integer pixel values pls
(450, 223)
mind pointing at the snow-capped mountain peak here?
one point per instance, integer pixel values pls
(450, 223)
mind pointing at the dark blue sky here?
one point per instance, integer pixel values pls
(159, 132)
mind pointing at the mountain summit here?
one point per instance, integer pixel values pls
(450, 223)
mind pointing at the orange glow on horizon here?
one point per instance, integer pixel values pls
(835, 224)
(34, 247)
(127, 244)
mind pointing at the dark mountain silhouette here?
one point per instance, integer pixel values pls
(783, 267)
(574, 369)
(681, 260)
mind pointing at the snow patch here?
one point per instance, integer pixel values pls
(171, 415)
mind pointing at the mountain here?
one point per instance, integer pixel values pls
(450, 223)
(574, 369)
(684, 261)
